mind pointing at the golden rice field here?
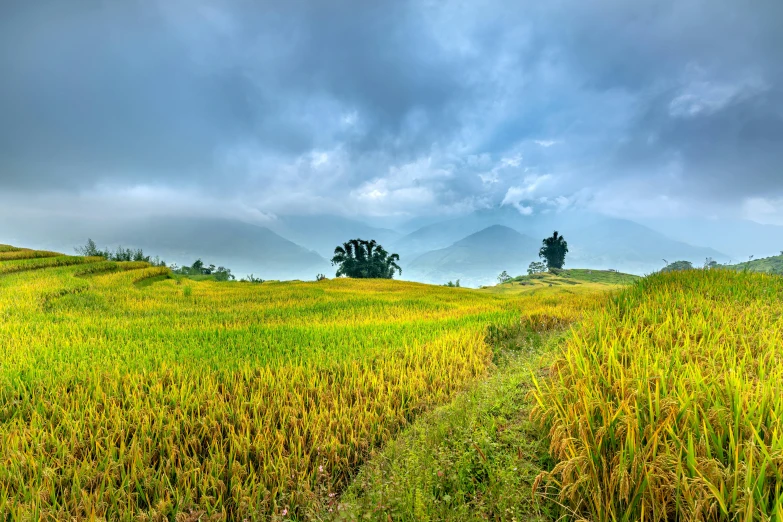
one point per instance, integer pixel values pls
(230, 401)
(667, 404)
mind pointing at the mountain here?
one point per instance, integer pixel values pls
(595, 241)
(282, 247)
(630, 247)
(240, 246)
(736, 237)
(323, 233)
(476, 259)
(539, 224)
(243, 247)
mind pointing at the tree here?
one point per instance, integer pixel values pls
(320, 277)
(90, 250)
(452, 284)
(554, 250)
(222, 273)
(678, 265)
(504, 277)
(536, 267)
(710, 263)
(197, 267)
(365, 259)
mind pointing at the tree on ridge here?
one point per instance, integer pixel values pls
(554, 250)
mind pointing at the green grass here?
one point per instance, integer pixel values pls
(476, 458)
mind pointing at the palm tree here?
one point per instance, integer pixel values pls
(554, 250)
(365, 259)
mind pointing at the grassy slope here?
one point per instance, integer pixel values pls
(769, 265)
(586, 280)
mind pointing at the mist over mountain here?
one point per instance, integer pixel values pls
(323, 233)
(473, 247)
(243, 247)
(738, 238)
(477, 259)
(630, 247)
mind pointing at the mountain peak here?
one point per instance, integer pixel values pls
(494, 235)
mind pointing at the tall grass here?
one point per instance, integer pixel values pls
(668, 404)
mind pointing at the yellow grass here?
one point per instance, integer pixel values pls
(668, 404)
(224, 400)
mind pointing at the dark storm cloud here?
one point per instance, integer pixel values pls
(393, 106)
(144, 92)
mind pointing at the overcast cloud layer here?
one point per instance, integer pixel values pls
(399, 108)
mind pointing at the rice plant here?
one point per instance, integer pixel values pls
(668, 403)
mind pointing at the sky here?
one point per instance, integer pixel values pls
(391, 109)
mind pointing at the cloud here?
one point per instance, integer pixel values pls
(764, 210)
(392, 107)
(516, 195)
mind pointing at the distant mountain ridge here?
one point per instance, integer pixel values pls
(595, 242)
(476, 259)
(243, 247)
(300, 246)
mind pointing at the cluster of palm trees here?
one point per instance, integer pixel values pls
(365, 259)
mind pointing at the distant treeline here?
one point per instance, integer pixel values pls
(198, 268)
(121, 254)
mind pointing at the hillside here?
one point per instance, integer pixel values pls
(575, 277)
(477, 259)
(243, 247)
(767, 265)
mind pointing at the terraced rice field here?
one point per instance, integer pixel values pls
(228, 401)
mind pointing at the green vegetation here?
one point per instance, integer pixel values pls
(536, 267)
(90, 249)
(358, 258)
(200, 272)
(129, 392)
(589, 279)
(677, 266)
(767, 265)
(554, 251)
(473, 459)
